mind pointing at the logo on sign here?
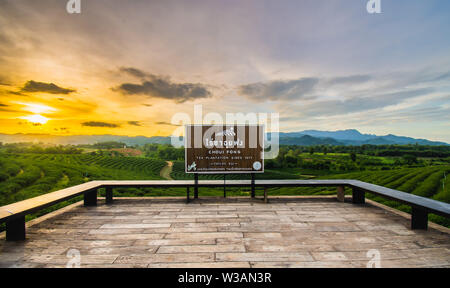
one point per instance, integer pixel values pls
(228, 132)
(192, 167)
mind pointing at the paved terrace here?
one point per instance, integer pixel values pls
(233, 232)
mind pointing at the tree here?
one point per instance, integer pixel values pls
(299, 162)
(409, 159)
(353, 156)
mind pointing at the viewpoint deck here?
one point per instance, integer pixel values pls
(236, 232)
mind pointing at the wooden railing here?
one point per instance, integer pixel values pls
(14, 214)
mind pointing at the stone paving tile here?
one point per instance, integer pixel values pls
(173, 242)
(21, 264)
(148, 236)
(122, 250)
(201, 248)
(203, 225)
(272, 256)
(223, 220)
(132, 226)
(166, 258)
(315, 264)
(63, 259)
(97, 265)
(204, 235)
(316, 232)
(254, 246)
(263, 235)
(201, 265)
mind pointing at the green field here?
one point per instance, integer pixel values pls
(26, 175)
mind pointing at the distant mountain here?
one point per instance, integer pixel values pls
(307, 140)
(81, 139)
(350, 134)
(354, 137)
(303, 138)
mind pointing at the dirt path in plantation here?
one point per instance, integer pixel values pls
(166, 170)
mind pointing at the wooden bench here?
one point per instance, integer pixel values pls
(14, 214)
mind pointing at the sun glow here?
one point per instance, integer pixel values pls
(36, 119)
(37, 108)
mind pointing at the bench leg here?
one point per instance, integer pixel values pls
(266, 200)
(15, 229)
(358, 196)
(90, 198)
(341, 193)
(109, 195)
(419, 219)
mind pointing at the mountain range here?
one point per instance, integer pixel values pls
(304, 138)
(349, 137)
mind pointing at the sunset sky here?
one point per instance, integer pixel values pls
(125, 67)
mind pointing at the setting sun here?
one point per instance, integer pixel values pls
(36, 119)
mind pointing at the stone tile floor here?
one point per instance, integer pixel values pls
(237, 232)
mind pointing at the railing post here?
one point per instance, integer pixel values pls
(341, 193)
(419, 219)
(358, 196)
(90, 198)
(109, 195)
(265, 195)
(196, 186)
(15, 229)
(253, 185)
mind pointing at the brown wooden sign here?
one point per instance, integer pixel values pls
(224, 149)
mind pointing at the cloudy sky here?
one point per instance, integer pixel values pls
(126, 67)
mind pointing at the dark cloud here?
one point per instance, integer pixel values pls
(134, 72)
(16, 93)
(3, 82)
(100, 124)
(61, 129)
(166, 123)
(353, 79)
(33, 86)
(357, 104)
(279, 90)
(7, 108)
(159, 87)
(134, 123)
(443, 76)
(303, 88)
